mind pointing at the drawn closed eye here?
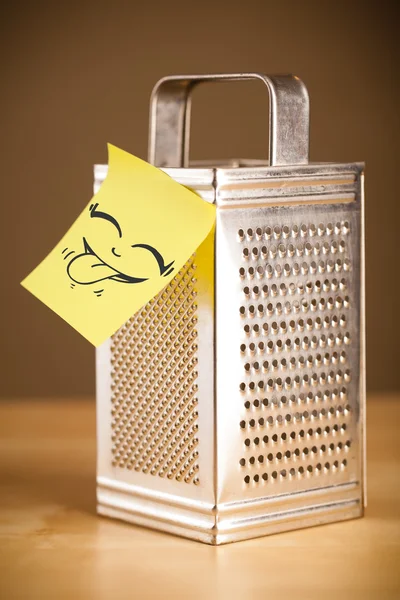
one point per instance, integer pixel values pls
(103, 215)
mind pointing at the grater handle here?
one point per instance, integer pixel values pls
(289, 118)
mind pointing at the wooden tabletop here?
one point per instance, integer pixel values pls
(52, 544)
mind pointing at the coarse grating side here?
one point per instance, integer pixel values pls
(298, 317)
(154, 389)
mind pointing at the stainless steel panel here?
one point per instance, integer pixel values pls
(288, 349)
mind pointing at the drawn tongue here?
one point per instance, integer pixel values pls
(87, 268)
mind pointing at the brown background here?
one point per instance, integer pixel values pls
(78, 74)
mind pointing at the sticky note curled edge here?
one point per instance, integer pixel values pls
(131, 239)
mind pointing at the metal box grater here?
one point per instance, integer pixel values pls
(232, 405)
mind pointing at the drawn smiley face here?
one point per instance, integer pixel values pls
(122, 262)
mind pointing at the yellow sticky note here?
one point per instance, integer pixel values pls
(127, 244)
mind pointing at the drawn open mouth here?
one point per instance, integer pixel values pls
(88, 267)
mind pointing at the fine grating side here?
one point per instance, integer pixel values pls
(154, 389)
(298, 320)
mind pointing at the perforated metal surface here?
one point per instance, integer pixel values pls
(298, 318)
(273, 340)
(154, 372)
